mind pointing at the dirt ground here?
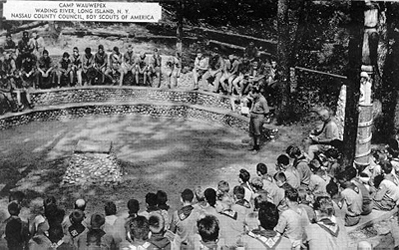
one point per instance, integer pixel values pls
(156, 153)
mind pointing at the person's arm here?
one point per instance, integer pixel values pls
(281, 225)
(331, 133)
(221, 64)
(173, 227)
(40, 65)
(382, 189)
(265, 107)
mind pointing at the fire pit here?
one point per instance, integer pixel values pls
(93, 163)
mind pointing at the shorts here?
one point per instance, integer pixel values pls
(256, 124)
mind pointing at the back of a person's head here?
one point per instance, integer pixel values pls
(239, 192)
(223, 186)
(244, 175)
(283, 160)
(17, 196)
(332, 188)
(280, 176)
(133, 206)
(162, 197)
(292, 194)
(210, 196)
(55, 233)
(261, 168)
(187, 195)
(139, 228)
(80, 204)
(351, 172)
(386, 166)
(14, 208)
(156, 223)
(208, 228)
(110, 208)
(324, 205)
(293, 151)
(54, 214)
(268, 215)
(263, 196)
(377, 180)
(77, 216)
(332, 153)
(256, 183)
(151, 199)
(97, 221)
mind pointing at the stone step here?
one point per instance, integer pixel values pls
(93, 146)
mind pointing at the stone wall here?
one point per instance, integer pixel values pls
(127, 94)
(68, 103)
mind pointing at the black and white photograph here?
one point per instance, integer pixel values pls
(199, 124)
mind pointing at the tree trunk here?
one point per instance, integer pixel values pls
(179, 29)
(353, 74)
(283, 105)
(390, 79)
(301, 28)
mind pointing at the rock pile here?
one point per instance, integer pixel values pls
(93, 168)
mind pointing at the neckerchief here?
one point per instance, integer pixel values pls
(268, 239)
(329, 225)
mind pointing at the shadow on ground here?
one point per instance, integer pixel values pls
(155, 153)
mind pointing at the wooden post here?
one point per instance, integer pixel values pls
(179, 29)
(352, 90)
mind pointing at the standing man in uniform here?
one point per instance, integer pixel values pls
(259, 110)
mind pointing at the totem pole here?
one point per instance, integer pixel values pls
(369, 67)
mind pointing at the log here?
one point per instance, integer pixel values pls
(269, 46)
(321, 72)
(235, 48)
(82, 33)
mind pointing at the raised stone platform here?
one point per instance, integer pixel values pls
(93, 163)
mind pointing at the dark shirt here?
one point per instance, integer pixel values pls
(64, 64)
(45, 63)
(28, 66)
(23, 46)
(77, 61)
(10, 45)
(100, 60)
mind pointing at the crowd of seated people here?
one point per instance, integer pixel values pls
(236, 76)
(305, 204)
(27, 65)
